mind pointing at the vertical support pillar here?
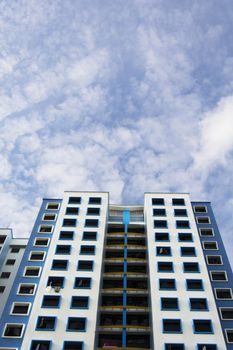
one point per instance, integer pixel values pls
(126, 221)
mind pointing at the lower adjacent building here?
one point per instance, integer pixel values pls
(98, 276)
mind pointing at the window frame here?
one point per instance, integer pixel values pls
(47, 232)
(33, 268)
(168, 279)
(46, 329)
(44, 215)
(180, 227)
(155, 212)
(74, 330)
(157, 248)
(41, 238)
(219, 256)
(66, 239)
(226, 331)
(197, 299)
(162, 308)
(86, 278)
(203, 245)
(98, 203)
(72, 214)
(185, 233)
(202, 206)
(79, 296)
(210, 229)
(49, 342)
(73, 202)
(165, 271)
(201, 320)
(50, 297)
(28, 284)
(172, 332)
(72, 341)
(195, 279)
(86, 253)
(16, 324)
(203, 223)
(71, 225)
(220, 313)
(63, 245)
(20, 303)
(163, 240)
(217, 289)
(36, 252)
(218, 271)
(86, 261)
(186, 248)
(191, 262)
(89, 232)
(53, 203)
(59, 269)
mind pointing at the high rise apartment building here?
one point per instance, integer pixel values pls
(98, 276)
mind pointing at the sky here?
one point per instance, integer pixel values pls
(126, 96)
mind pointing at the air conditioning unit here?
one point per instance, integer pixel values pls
(57, 289)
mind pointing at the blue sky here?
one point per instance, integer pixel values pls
(122, 96)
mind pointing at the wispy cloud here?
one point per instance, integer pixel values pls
(120, 96)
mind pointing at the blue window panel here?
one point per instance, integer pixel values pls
(46, 323)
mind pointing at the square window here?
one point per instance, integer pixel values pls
(206, 347)
(191, 267)
(66, 235)
(74, 200)
(182, 224)
(203, 220)
(210, 245)
(185, 237)
(188, 251)
(45, 228)
(163, 251)
(2, 288)
(160, 224)
(36, 256)
(198, 304)
(223, 293)
(5, 275)
(202, 326)
(87, 249)
(69, 222)
(45, 323)
(51, 301)
(167, 284)
(172, 326)
(52, 206)
(82, 283)
(173, 346)
(58, 264)
(206, 232)
(218, 276)
(10, 261)
(91, 222)
(26, 289)
(72, 211)
(63, 249)
(49, 217)
(76, 324)
(73, 345)
(85, 265)
(165, 266)
(178, 201)
(40, 345)
(159, 212)
(93, 211)
(162, 236)
(41, 242)
(226, 313)
(169, 304)
(2, 239)
(89, 236)
(95, 200)
(229, 335)
(15, 250)
(214, 259)
(79, 302)
(20, 309)
(32, 271)
(157, 201)
(13, 330)
(180, 212)
(194, 284)
(55, 281)
(200, 209)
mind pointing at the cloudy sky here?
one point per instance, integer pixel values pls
(122, 96)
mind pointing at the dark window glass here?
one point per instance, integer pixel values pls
(160, 223)
(82, 282)
(79, 302)
(13, 330)
(202, 326)
(15, 250)
(63, 249)
(2, 288)
(161, 236)
(76, 324)
(182, 224)
(191, 267)
(194, 284)
(91, 223)
(223, 293)
(89, 236)
(41, 242)
(87, 249)
(74, 200)
(185, 237)
(37, 256)
(26, 289)
(218, 275)
(180, 212)
(159, 212)
(203, 220)
(51, 301)
(171, 326)
(52, 206)
(206, 347)
(73, 345)
(188, 251)
(229, 333)
(200, 209)
(178, 201)
(72, 211)
(210, 245)
(167, 283)
(45, 323)
(198, 304)
(2, 239)
(55, 281)
(10, 262)
(49, 217)
(164, 266)
(157, 201)
(226, 313)
(66, 235)
(169, 303)
(214, 260)
(95, 200)
(69, 222)
(206, 232)
(163, 251)
(59, 264)
(93, 211)
(172, 346)
(30, 271)
(5, 275)
(86, 265)
(20, 309)
(40, 345)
